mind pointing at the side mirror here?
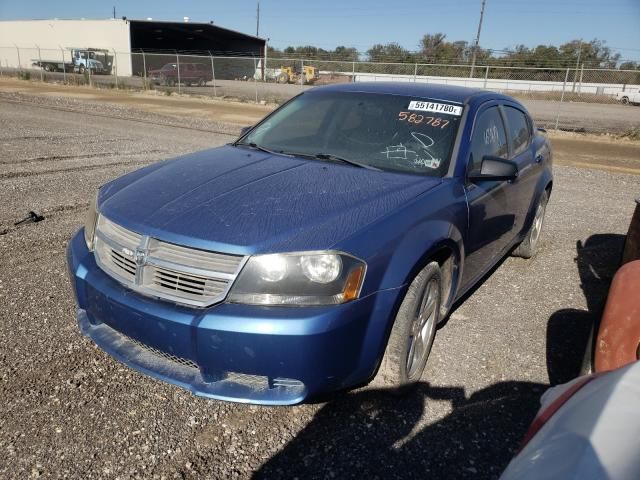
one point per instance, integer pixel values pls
(495, 168)
(244, 130)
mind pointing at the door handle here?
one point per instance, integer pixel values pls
(539, 158)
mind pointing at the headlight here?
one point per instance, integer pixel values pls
(308, 278)
(90, 224)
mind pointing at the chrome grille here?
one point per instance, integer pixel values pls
(183, 284)
(124, 262)
(172, 272)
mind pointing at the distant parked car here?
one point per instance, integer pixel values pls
(320, 250)
(587, 429)
(186, 74)
(629, 97)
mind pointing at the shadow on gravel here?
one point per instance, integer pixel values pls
(570, 332)
(375, 435)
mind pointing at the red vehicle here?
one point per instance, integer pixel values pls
(185, 73)
(618, 341)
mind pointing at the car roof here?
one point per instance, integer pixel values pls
(433, 91)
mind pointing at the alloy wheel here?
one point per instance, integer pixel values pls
(423, 330)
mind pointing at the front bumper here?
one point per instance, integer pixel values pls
(243, 353)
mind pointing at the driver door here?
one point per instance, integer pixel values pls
(492, 203)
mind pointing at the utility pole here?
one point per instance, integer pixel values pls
(258, 19)
(575, 74)
(114, 11)
(475, 46)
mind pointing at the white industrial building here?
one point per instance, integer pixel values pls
(23, 41)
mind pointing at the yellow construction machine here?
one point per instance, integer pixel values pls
(294, 75)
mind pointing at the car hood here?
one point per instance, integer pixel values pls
(243, 201)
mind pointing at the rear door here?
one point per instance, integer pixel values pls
(492, 215)
(522, 151)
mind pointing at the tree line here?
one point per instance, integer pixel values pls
(436, 49)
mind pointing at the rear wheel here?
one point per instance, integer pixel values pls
(625, 100)
(413, 331)
(529, 246)
(201, 82)
(47, 68)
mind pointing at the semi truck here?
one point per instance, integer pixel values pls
(94, 60)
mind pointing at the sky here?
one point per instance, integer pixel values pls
(362, 23)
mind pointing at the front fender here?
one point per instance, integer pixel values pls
(397, 247)
(405, 238)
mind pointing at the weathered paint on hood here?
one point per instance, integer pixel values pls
(243, 201)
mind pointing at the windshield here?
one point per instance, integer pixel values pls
(387, 132)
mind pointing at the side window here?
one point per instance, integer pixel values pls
(488, 138)
(518, 130)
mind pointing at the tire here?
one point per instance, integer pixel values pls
(170, 82)
(81, 69)
(413, 331)
(529, 246)
(202, 82)
(624, 100)
(47, 68)
(282, 78)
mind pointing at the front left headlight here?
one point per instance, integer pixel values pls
(297, 279)
(90, 224)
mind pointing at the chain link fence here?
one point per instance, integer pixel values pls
(274, 80)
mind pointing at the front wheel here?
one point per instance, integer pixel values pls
(81, 69)
(202, 82)
(529, 246)
(625, 100)
(413, 331)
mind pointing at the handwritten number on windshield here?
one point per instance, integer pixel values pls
(419, 119)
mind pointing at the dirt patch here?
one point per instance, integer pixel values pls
(600, 152)
(218, 110)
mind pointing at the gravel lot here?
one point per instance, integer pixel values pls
(70, 411)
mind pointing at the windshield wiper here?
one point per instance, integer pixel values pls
(255, 146)
(337, 158)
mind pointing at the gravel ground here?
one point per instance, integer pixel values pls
(70, 411)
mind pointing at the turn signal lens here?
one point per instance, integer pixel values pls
(353, 284)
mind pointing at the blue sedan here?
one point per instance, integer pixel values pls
(320, 250)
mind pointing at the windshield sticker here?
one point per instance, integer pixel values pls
(427, 162)
(435, 107)
(419, 119)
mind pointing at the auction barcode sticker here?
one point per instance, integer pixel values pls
(435, 107)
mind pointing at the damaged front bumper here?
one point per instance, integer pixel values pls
(242, 353)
